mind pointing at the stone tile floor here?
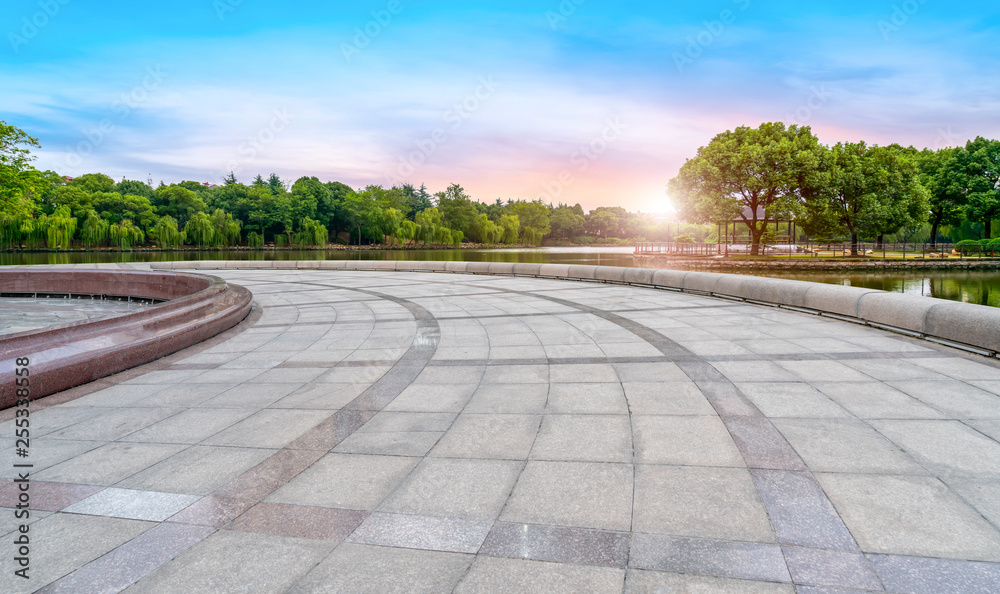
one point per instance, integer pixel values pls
(407, 432)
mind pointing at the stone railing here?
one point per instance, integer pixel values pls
(195, 307)
(971, 327)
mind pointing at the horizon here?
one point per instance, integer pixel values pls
(574, 101)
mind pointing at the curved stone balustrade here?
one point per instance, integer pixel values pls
(197, 307)
(964, 325)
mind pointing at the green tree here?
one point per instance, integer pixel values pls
(59, 228)
(177, 202)
(533, 218)
(566, 223)
(946, 192)
(133, 187)
(509, 227)
(227, 229)
(19, 181)
(755, 175)
(94, 231)
(457, 208)
(167, 234)
(125, 234)
(116, 208)
(869, 191)
(977, 168)
(200, 230)
(94, 182)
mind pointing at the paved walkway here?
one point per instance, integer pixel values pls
(434, 432)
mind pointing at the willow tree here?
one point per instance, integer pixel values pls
(227, 229)
(125, 234)
(753, 175)
(167, 233)
(59, 228)
(200, 229)
(95, 230)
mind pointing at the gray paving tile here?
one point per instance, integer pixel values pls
(946, 448)
(606, 398)
(495, 436)
(269, 428)
(910, 515)
(516, 374)
(44, 453)
(876, 400)
(584, 438)
(426, 398)
(845, 445)
(114, 424)
(197, 470)
(109, 463)
(131, 562)
(960, 368)
(791, 400)
(351, 481)
(954, 398)
(229, 561)
(640, 581)
(460, 488)
(982, 494)
(190, 426)
(132, 504)
(650, 372)
(393, 443)
(496, 574)
(666, 398)
(587, 373)
(758, 371)
(81, 540)
(579, 494)
(363, 568)
(433, 533)
(323, 396)
(698, 441)
(559, 544)
(251, 395)
(743, 560)
(390, 421)
(514, 398)
(720, 503)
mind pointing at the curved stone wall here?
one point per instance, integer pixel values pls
(964, 325)
(197, 307)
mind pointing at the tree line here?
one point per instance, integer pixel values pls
(44, 209)
(757, 176)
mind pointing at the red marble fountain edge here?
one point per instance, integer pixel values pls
(61, 357)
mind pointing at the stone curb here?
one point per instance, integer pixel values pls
(67, 355)
(966, 326)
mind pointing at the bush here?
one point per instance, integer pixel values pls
(685, 238)
(969, 246)
(992, 246)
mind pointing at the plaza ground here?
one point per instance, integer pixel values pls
(390, 431)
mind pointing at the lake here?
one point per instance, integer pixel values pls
(980, 287)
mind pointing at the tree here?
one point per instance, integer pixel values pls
(566, 224)
(277, 186)
(509, 227)
(418, 200)
(135, 188)
(18, 179)
(94, 182)
(167, 234)
(938, 174)
(533, 218)
(200, 229)
(117, 208)
(868, 191)
(977, 169)
(755, 175)
(177, 202)
(457, 208)
(95, 230)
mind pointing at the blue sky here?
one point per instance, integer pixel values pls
(589, 101)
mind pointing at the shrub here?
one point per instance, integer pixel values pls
(968, 246)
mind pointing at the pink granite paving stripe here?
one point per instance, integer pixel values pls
(45, 496)
(300, 521)
(263, 479)
(132, 561)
